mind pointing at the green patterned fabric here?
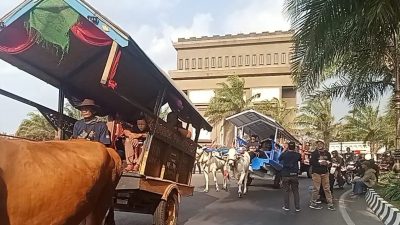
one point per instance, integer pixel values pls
(52, 20)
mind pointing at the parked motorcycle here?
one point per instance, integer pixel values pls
(336, 171)
(350, 172)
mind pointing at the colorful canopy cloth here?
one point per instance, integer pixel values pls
(52, 20)
(111, 82)
(14, 39)
(90, 34)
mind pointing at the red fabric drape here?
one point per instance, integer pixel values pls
(90, 34)
(15, 39)
(111, 82)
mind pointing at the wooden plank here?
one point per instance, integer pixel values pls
(158, 186)
(128, 182)
(110, 60)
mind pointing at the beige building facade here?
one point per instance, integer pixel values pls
(261, 59)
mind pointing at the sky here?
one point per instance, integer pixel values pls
(154, 25)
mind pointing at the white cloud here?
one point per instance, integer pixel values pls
(157, 43)
(151, 25)
(257, 16)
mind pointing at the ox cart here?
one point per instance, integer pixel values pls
(98, 60)
(251, 122)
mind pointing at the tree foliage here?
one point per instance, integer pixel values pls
(352, 41)
(278, 110)
(366, 125)
(70, 111)
(229, 99)
(317, 120)
(369, 125)
(36, 127)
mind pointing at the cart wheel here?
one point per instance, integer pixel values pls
(278, 181)
(167, 211)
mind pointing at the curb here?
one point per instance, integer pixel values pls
(386, 212)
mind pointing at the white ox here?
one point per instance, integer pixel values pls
(239, 165)
(212, 162)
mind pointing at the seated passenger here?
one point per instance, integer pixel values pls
(90, 127)
(134, 139)
(368, 180)
(174, 123)
(253, 148)
(114, 125)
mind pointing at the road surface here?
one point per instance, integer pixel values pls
(262, 205)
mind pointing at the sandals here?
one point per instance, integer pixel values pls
(129, 168)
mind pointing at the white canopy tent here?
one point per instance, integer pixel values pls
(252, 122)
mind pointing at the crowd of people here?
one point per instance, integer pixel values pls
(326, 168)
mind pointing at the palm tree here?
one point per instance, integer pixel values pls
(36, 127)
(367, 125)
(71, 111)
(353, 41)
(229, 99)
(316, 119)
(277, 109)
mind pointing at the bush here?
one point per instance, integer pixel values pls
(390, 187)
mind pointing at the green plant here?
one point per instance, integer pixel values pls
(392, 191)
(391, 187)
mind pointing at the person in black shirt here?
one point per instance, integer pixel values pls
(319, 161)
(290, 160)
(253, 148)
(90, 127)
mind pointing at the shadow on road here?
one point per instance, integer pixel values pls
(194, 205)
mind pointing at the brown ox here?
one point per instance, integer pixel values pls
(57, 182)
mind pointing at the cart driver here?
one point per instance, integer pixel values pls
(90, 127)
(253, 147)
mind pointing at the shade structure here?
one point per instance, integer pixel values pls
(135, 79)
(253, 122)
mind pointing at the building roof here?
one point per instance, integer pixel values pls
(235, 36)
(233, 39)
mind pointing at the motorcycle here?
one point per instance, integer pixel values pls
(336, 171)
(350, 172)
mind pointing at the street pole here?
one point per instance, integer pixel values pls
(396, 167)
(341, 148)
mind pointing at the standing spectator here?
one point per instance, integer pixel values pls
(290, 160)
(320, 159)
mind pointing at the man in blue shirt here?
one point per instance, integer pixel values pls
(290, 160)
(90, 127)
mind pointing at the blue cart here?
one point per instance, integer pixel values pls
(251, 122)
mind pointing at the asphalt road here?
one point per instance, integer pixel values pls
(262, 205)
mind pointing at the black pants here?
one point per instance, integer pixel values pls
(291, 184)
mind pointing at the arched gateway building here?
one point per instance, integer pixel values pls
(261, 59)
